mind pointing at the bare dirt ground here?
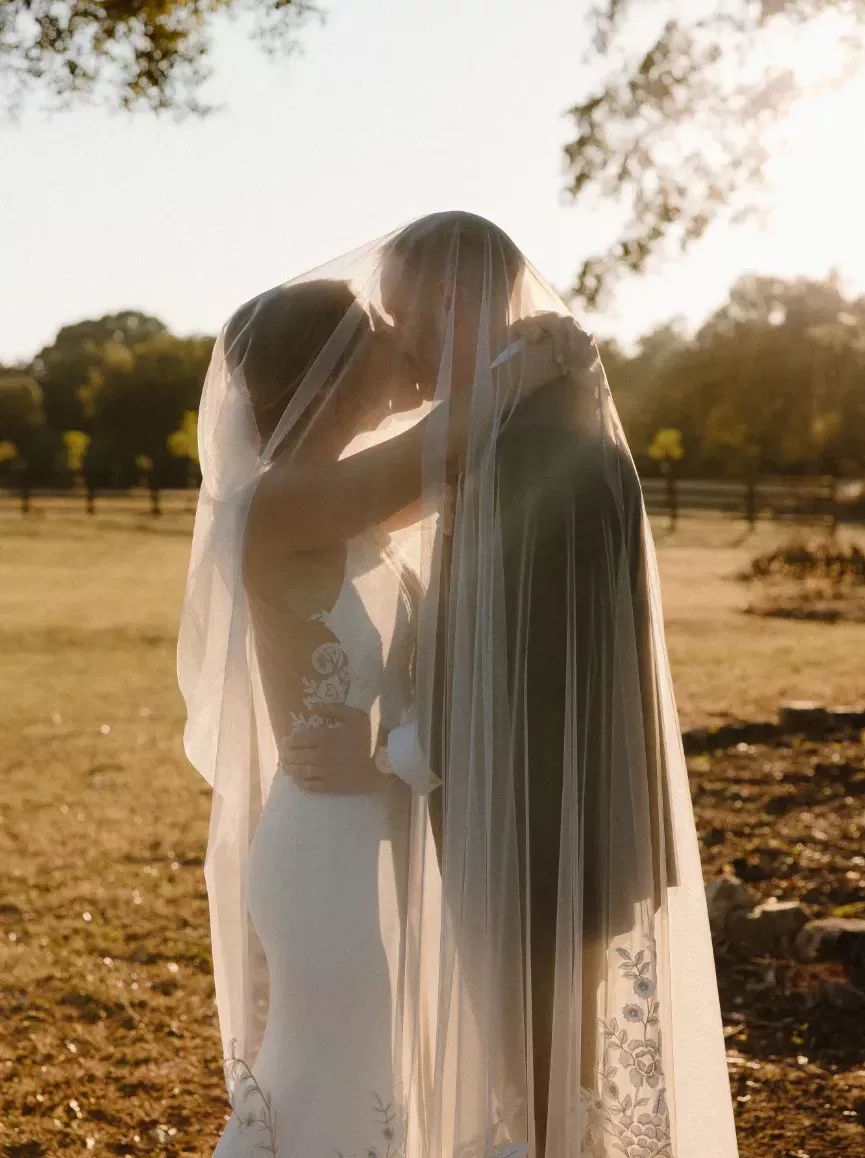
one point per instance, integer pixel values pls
(108, 1039)
(788, 819)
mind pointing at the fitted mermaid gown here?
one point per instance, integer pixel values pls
(324, 871)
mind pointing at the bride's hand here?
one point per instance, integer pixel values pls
(556, 346)
(334, 760)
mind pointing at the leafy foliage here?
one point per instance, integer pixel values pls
(139, 394)
(65, 369)
(105, 395)
(76, 443)
(152, 54)
(183, 442)
(20, 406)
(774, 382)
(678, 130)
(22, 423)
(667, 446)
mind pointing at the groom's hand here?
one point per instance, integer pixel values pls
(333, 760)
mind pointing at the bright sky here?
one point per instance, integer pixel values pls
(395, 108)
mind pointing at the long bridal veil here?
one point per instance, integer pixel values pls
(551, 973)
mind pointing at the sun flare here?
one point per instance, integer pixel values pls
(818, 183)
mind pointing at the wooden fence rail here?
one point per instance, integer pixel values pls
(823, 500)
(820, 500)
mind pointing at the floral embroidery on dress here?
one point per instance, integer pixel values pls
(250, 1105)
(254, 1113)
(329, 660)
(588, 1110)
(639, 1121)
(300, 721)
(392, 1125)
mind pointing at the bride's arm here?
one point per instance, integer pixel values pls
(315, 504)
(405, 517)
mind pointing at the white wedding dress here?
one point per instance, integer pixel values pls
(319, 864)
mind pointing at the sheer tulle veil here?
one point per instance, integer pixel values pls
(546, 930)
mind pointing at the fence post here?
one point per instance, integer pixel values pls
(672, 494)
(751, 502)
(834, 512)
(667, 450)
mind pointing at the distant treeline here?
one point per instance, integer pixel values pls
(773, 383)
(110, 403)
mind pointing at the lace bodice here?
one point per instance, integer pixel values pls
(356, 653)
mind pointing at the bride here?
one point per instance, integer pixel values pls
(456, 901)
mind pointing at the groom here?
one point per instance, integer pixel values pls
(550, 477)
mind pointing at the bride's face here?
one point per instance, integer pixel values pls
(377, 381)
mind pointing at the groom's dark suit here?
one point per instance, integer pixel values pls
(571, 514)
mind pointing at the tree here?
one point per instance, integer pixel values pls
(138, 396)
(642, 385)
(8, 456)
(77, 444)
(667, 450)
(21, 411)
(145, 465)
(154, 53)
(65, 369)
(677, 130)
(106, 390)
(183, 443)
(793, 354)
(22, 425)
(17, 471)
(774, 382)
(837, 419)
(798, 303)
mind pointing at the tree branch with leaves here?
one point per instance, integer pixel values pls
(677, 131)
(153, 54)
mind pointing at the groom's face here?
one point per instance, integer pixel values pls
(415, 330)
(418, 314)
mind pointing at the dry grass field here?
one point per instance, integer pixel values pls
(108, 1039)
